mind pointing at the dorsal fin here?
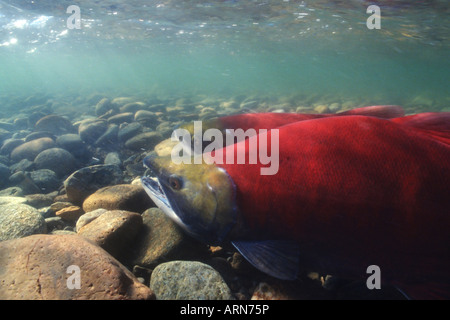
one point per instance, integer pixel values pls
(433, 124)
(383, 112)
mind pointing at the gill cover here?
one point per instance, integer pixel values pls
(198, 197)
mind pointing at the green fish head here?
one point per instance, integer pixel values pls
(198, 143)
(198, 197)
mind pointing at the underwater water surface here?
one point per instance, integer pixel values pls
(228, 48)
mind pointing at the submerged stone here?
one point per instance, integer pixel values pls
(119, 197)
(20, 220)
(24, 182)
(103, 106)
(64, 267)
(45, 179)
(71, 213)
(121, 101)
(91, 129)
(72, 143)
(55, 124)
(188, 280)
(85, 181)
(58, 160)
(4, 174)
(133, 107)
(129, 130)
(249, 104)
(11, 191)
(29, 150)
(114, 231)
(161, 240)
(144, 141)
(88, 217)
(4, 200)
(121, 117)
(113, 158)
(146, 118)
(38, 135)
(39, 200)
(109, 137)
(9, 145)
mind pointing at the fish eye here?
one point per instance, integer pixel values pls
(175, 182)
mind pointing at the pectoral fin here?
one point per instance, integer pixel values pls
(278, 258)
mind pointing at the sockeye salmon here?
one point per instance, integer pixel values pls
(350, 192)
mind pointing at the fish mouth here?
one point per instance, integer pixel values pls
(155, 190)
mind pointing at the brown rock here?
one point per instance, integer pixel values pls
(58, 205)
(37, 268)
(303, 289)
(71, 213)
(55, 124)
(161, 240)
(114, 230)
(29, 150)
(88, 217)
(265, 291)
(240, 265)
(322, 108)
(119, 197)
(84, 182)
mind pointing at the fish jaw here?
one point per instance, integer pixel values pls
(153, 188)
(203, 204)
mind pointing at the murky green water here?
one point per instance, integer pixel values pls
(306, 51)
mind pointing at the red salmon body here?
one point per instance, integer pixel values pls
(354, 191)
